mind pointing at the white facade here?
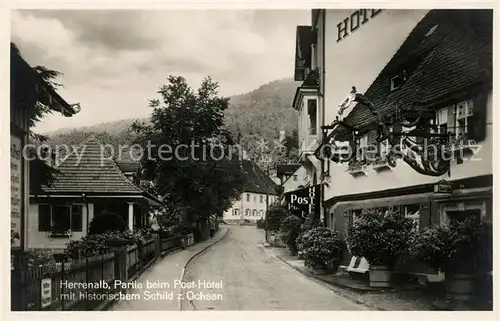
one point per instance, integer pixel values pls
(40, 239)
(250, 206)
(358, 44)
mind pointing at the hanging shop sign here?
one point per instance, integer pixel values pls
(16, 195)
(303, 201)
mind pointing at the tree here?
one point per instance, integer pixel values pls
(276, 214)
(25, 92)
(190, 154)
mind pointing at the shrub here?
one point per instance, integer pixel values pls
(106, 223)
(461, 246)
(100, 243)
(289, 231)
(380, 237)
(275, 215)
(312, 220)
(321, 246)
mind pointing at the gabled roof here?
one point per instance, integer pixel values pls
(90, 169)
(256, 180)
(448, 52)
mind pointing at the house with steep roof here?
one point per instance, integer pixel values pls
(88, 183)
(258, 194)
(30, 95)
(439, 61)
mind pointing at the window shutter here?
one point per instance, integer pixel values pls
(43, 218)
(478, 120)
(451, 120)
(76, 218)
(425, 214)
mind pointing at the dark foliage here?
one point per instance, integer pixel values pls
(289, 231)
(276, 214)
(380, 237)
(107, 222)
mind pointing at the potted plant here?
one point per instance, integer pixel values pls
(462, 250)
(289, 231)
(311, 221)
(380, 237)
(321, 249)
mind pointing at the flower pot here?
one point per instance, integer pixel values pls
(380, 276)
(460, 287)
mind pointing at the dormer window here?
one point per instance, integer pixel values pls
(398, 80)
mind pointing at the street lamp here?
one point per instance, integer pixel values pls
(421, 148)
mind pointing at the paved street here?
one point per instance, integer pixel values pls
(253, 279)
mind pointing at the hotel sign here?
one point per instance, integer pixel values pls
(16, 195)
(444, 187)
(353, 22)
(304, 201)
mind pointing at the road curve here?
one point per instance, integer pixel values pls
(253, 279)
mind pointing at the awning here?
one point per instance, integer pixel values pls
(410, 199)
(382, 202)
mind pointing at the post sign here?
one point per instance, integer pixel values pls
(46, 292)
(304, 201)
(16, 195)
(443, 186)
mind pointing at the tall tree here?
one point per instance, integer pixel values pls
(190, 155)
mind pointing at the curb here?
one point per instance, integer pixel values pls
(330, 286)
(195, 255)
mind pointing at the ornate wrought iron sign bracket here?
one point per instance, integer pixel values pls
(409, 134)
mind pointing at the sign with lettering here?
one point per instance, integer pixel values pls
(46, 292)
(303, 201)
(355, 21)
(16, 193)
(443, 186)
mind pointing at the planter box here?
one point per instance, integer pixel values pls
(380, 276)
(460, 287)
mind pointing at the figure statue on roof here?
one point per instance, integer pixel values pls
(347, 102)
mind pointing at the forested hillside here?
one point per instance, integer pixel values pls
(253, 117)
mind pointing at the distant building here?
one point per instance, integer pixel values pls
(252, 204)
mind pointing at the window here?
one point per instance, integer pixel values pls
(442, 120)
(255, 198)
(457, 119)
(412, 212)
(262, 199)
(362, 142)
(236, 212)
(247, 212)
(60, 218)
(248, 197)
(312, 113)
(254, 213)
(356, 214)
(398, 80)
(295, 177)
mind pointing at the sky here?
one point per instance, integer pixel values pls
(114, 61)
